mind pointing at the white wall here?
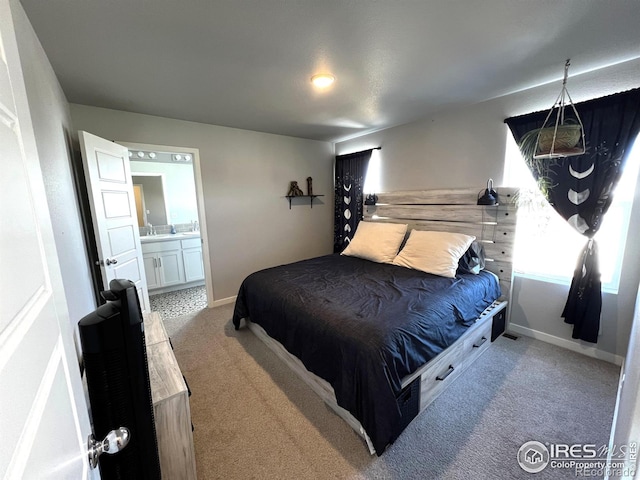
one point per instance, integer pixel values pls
(54, 138)
(245, 177)
(456, 148)
(463, 147)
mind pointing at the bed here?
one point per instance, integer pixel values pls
(377, 341)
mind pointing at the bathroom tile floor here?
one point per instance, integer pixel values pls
(180, 302)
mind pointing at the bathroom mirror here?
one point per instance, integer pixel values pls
(164, 188)
(151, 203)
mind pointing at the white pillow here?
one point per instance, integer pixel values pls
(434, 252)
(378, 242)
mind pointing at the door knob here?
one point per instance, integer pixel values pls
(108, 261)
(115, 441)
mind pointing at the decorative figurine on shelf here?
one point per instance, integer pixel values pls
(294, 190)
(309, 186)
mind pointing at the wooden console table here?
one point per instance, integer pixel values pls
(170, 404)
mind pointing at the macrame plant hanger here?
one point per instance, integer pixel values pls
(562, 136)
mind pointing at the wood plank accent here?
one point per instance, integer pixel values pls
(173, 424)
(459, 196)
(154, 331)
(456, 213)
(497, 233)
(171, 410)
(164, 372)
(456, 210)
(500, 248)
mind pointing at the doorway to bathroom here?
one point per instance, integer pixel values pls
(172, 224)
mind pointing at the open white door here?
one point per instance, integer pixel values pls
(113, 208)
(44, 421)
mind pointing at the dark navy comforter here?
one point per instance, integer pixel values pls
(363, 326)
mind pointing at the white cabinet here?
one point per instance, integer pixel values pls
(151, 270)
(172, 261)
(171, 268)
(163, 264)
(192, 259)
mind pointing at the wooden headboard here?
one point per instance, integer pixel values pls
(456, 210)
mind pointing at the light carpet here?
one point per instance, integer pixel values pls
(254, 418)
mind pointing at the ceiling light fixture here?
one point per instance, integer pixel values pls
(323, 80)
(152, 155)
(141, 154)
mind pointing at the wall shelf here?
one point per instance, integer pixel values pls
(310, 197)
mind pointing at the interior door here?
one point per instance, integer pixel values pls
(113, 208)
(44, 421)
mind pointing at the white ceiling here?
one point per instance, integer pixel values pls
(247, 63)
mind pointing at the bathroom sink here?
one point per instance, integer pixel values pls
(167, 236)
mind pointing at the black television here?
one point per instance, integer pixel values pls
(115, 364)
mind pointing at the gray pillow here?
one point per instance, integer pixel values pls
(473, 259)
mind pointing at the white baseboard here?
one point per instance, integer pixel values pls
(568, 344)
(223, 301)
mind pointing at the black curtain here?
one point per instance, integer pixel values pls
(580, 189)
(350, 171)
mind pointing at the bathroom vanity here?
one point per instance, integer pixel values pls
(173, 261)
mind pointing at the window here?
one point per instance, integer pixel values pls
(372, 177)
(546, 246)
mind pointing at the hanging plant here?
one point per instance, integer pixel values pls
(540, 167)
(561, 136)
